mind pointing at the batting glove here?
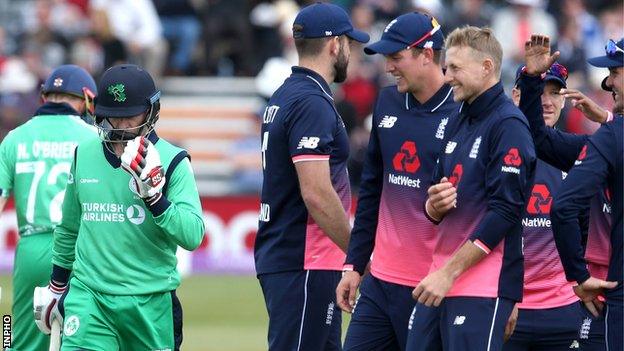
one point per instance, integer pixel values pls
(141, 159)
(45, 305)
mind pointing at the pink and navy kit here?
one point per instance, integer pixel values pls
(297, 264)
(405, 139)
(300, 124)
(390, 223)
(490, 159)
(602, 161)
(488, 155)
(561, 150)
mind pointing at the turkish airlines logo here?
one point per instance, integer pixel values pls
(540, 200)
(455, 177)
(581, 156)
(512, 158)
(406, 160)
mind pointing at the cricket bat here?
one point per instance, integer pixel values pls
(55, 336)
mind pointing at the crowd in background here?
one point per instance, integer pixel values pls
(252, 38)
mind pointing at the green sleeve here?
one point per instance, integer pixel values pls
(7, 165)
(182, 219)
(66, 233)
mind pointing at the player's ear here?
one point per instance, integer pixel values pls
(334, 45)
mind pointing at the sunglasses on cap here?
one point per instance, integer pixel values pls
(558, 70)
(612, 49)
(436, 27)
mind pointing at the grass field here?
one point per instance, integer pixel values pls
(221, 313)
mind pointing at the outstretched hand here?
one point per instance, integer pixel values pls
(537, 55)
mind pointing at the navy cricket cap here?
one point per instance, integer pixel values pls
(410, 30)
(125, 91)
(614, 55)
(70, 79)
(556, 73)
(321, 20)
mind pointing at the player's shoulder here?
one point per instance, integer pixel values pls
(167, 149)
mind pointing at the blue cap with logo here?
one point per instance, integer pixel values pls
(70, 79)
(125, 90)
(614, 55)
(556, 73)
(411, 30)
(322, 20)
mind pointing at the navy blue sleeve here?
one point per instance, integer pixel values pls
(362, 240)
(555, 147)
(509, 177)
(311, 127)
(584, 180)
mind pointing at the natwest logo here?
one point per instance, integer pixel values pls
(540, 200)
(406, 160)
(512, 158)
(455, 177)
(512, 161)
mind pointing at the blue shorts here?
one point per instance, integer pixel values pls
(614, 313)
(303, 314)
(555, 329)
(460, 324)
(380, 317)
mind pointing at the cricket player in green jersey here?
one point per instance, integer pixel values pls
(35, 159)
(131, 200)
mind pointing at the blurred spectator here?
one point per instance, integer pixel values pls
(247, 161)
(181, 28)
(586, 25)
(135, 24)
(277, 69)
(573, 54)
(228, 41)
(18, 94)
(476, 13)
(266, 19)
(514, 25)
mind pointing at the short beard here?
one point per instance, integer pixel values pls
(340, 67)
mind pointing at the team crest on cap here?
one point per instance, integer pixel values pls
(58, 82)
(118, 92)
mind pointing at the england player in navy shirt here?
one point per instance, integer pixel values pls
(553, 146)
(550, 314)
(601, 161)
(304, 227)
(484, 174)
(409, 123)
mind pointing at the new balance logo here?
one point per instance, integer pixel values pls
(387, 122)
(459, 320)
(308, 143)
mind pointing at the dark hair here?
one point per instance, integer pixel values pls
(310, 46)
(307, 46)
(437, 54)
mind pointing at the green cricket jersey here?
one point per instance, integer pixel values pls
(110, 238)
(35, 161)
